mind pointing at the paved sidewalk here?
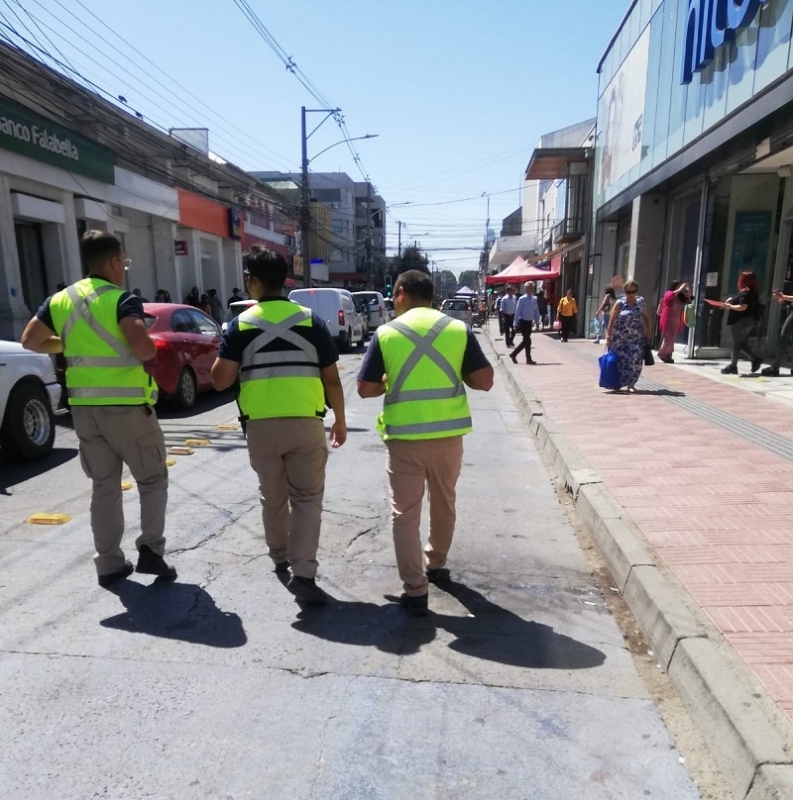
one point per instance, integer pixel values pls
(705, 471)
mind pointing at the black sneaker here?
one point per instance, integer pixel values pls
(772, 372)
(149, 563)
(306, 591)
(531, 361)
(756, 364)
(440, 575)
(281, 567)
(729, 370)
(111, 577)
(416, 606)
(514, 358)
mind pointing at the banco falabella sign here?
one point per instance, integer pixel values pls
(710, 24)
(25, 132)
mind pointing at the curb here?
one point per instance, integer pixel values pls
(750, 749)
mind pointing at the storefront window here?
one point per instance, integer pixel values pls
(667, 22)
(742, 56)
(715, 79)
(773, 43)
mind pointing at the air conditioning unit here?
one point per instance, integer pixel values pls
(334, 206)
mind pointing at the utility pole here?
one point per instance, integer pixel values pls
(368, 235)
(399, 242)
(305, 207)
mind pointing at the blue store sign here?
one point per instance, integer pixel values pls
(710, 24)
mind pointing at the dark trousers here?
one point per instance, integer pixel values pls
(784, 339)
(500, 323)
(567, 326)
(509, 329)
(524, 328)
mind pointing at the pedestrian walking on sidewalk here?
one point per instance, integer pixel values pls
(744, 311)
(542, 305)
(215, 306)
(499, 301)
(567, 311)
(420, 362)
(628, 334)
(100, 329)
(527, 314)
(508, 305)
(285, 360)
(604, 310)
(785, 336)
(672, 306)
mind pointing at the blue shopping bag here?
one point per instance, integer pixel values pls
(609, 372)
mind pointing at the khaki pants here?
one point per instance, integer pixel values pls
(289, 456)
(111, 436)
(411, 464)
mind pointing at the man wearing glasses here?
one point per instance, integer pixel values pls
(100, 329)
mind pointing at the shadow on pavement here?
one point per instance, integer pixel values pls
(181, 611)
(13, 473)
(491, 633)
(660, 392)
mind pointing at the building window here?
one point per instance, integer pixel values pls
(336, 225)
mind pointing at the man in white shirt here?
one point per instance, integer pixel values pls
(508, 305)
(527, 313)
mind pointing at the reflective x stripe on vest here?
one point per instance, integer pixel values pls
(283, 363)
(424, 346)
(82, 310)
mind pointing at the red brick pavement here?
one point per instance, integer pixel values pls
(717, 508)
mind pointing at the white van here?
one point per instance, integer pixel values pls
(375, 303)
(337, 308)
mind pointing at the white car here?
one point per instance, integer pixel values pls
(29, 391)
(458, 309)
(337, 308)
(375, 304)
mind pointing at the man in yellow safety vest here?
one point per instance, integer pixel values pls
(420, 362)
(100, 329)
(285, 360)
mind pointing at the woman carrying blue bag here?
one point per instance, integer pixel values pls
(609, 371)
(628, 336)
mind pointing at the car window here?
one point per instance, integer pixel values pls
(346, 302)
(205, 325)
(455, 305)
(149, 320)
(181, 322)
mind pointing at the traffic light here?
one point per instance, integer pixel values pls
(388, 285)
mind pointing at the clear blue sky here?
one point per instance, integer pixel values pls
(459, 91)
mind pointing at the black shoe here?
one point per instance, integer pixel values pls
(111, 577)
(440, 575)
(281, 567)
(667, 359)
(514, 358)
(729, 370)
(416, 606)
(772, 372)
(756, 364)
(306, 591)
(149, 563)
(530, 361)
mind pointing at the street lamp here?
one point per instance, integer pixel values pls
(305, 211)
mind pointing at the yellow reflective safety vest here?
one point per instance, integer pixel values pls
(101, 370)
(425, 396)
(279, 373)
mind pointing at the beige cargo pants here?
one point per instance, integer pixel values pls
(111, 436)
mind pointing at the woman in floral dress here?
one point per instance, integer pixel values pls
(628, 333)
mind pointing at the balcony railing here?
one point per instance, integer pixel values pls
(569, 230)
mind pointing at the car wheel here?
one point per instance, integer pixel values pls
(186, 389)
(362, 340)
(345, 342)
(28, 430)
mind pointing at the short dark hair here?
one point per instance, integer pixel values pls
(267, 266)
(97, 248)
(416, 284)
(212, 292)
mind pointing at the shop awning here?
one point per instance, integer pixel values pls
(553, 163)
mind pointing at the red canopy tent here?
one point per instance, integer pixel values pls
(519, 271)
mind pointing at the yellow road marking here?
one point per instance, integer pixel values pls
(197, 442)
(170, 462)
(181, 451)
(227, 427)
(48, 519)
(126, 486)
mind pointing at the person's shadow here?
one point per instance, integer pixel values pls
(491, 633)
(182, 611)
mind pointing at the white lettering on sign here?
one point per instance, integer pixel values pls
(40, 137)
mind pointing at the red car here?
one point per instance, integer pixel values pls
(187, 342)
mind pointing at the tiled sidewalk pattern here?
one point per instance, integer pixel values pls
(718, 508)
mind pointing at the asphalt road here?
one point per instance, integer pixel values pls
(518, 685)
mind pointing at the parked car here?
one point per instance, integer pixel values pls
(235, 309)
(29, 391)
(390, 310)
(459, 309)
(337, 308)
(187, 342)
(375, 303)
